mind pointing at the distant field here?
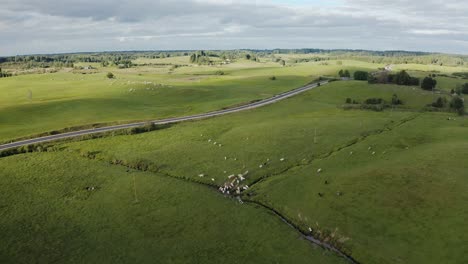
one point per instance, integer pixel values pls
(39, 103)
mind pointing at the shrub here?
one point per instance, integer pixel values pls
(374, 101)
(439, 103)
(401, 78)
(146, 128)
(375, 107)
(396, 100)
(273, 78)
(464, 88)
(110, 75)
(219, 73)
(344, 74)
(348, 100)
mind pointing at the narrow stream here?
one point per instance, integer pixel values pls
(306, 236)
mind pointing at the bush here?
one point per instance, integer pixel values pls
(396, 100)
(344, 74)
(464, 88)
(439, 103)
(110, 75)
(375, 107)
(361, 75)
(219, 73)
(401, 78)
(374, 101)
(348, 100)
(148, 127)
(273, 78)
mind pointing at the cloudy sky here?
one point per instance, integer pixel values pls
(54, 26)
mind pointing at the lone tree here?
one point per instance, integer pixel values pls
(110, 75)
(428, 83)
(457, 105)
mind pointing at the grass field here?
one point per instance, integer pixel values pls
(391, 186)
(48, 216)
(403, 204)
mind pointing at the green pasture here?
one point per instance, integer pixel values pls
(385, 187)
(48, 216)
(402, 193)
(418, 159)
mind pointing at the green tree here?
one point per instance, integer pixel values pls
(464, 88)
(428, 83)
(458, 105)
(361, 75)
(439, 103)
(402, 78)
(341, 73)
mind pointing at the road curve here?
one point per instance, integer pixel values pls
(267, 101)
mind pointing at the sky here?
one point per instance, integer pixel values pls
(60, 26)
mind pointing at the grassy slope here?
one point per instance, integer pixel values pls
(383, 228)
(399, 205)
(47, 216)
(248, 139)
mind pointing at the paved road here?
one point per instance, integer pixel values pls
(271, 100)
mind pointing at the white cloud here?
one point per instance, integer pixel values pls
(82, 25)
